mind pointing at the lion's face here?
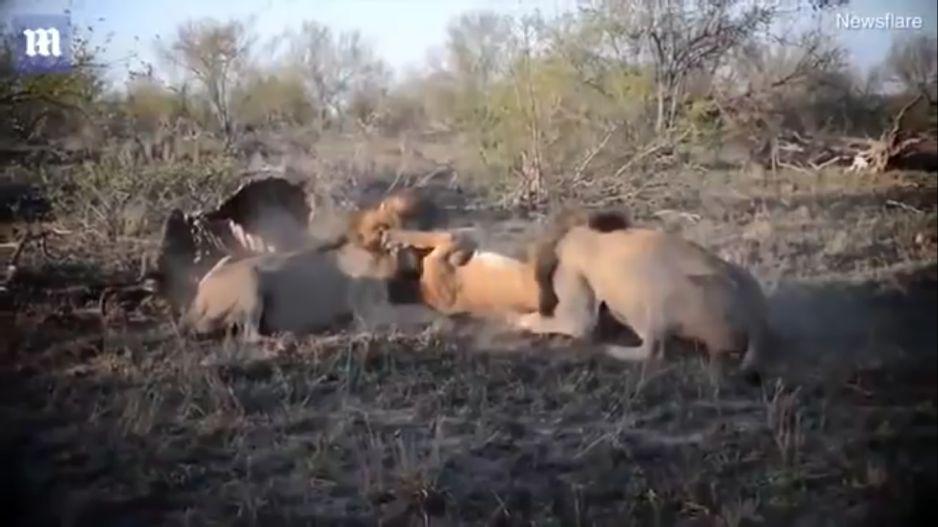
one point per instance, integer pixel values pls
(403, 209)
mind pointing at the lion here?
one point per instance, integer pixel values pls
(658, 284)
(310, 289)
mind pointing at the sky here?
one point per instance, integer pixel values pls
(402, 31)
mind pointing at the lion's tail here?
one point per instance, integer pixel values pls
(545, 256)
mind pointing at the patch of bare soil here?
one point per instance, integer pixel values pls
(117, 421)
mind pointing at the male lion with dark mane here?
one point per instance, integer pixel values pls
(263, 215)
(309, 289)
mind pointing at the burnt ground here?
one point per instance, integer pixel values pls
(120, 422)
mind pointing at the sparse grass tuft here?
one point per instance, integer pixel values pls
(784, 420)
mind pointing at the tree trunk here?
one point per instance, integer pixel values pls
(659, 115)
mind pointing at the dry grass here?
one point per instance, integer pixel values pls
(124, 423)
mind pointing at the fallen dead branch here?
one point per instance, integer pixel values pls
(896, 148)
(671, 213)
(904, 206)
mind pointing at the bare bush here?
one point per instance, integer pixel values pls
(337, 70)
(111, 199)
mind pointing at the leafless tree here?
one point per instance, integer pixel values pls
(914, 64)
(478, 47)
(336, 67)
(213, 53)
(676, 38)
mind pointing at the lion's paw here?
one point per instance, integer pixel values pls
(527, 322)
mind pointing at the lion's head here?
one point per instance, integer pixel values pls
(403, 209)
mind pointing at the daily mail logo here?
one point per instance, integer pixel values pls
(43, 43)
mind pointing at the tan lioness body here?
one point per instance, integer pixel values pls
(657, 283)
(456, 278)
(299, 292)
(305, 290)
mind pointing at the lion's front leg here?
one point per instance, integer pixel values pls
(251, 323)
(419, 239)
(455, 248)
(439, 283)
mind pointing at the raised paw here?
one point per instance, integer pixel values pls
(465, 247)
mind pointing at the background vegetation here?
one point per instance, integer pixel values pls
(688, 112)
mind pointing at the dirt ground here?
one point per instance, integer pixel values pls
(120, 422)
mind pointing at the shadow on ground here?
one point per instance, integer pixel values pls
(470, 429)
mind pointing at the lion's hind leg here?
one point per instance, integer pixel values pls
(649, 329)
(251, 322)
(576, 311)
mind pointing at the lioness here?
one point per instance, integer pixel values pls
(305, 290)
(657, 283)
